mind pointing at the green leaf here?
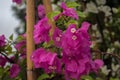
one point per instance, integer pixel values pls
(11, 37)
(52, 14)
(43, 76)
(47, 45)
(8, 48)
(72, 4)
(87, 78)
(1, 70)
(114, 79)
(71, 22)
(19, 38)
(81, 14)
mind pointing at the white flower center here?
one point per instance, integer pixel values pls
(74, 37)
(52, 67)
(58, 39)
(73, 30)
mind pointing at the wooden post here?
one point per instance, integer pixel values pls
(30, 42)
(48, 9)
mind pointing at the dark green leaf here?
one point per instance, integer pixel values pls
(87, 78)
(81, 14)
(52, 14)
(19, 38)
(11, 37)
(43, 76)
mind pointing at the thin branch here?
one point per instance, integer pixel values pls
(113, 54)
(9, 60)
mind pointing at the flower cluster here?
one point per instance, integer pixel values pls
(76, 52)
(74, 44)
(10, 61)
(41, 31)
(69, 12)
(46, 60)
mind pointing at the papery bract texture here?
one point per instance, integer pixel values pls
(41, 31)
(69, 11)
(46, 60)
(76, 52)
(41, 11)
(14, 70)
(3, 61)
(17, 1)
(21, 46)
(2, 41)
(57, 37)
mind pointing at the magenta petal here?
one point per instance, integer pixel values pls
(2, 61)
(2, 41)
(41, 31)
(99, 63)
(85, 26)
(57, 37)
(41, 11)
(17, 1)
(14, 70)
(63, 5)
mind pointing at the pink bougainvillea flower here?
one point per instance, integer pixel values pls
(57, 16)
(71, 41)
(84, 28)
(36, 56)
(46, 60)
(76, 52)
(2, 41)
(57, 37)
(69, 11)
(21, 46)
(2, 61)
(14, 70)
(41, 31)
(17, 1)
(74, 42)
(75, 68)
(41, 11)
(98, 63)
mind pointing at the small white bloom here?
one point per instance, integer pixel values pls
(110, 50)
(115, 67)
(115, 10)
(106, 10)
(94, 27)
(91, 7)
(117, 43)
(101, 2)
(105, 70)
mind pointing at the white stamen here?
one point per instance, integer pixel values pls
(58, 39)
(52, 67)
(73, 30)
(74, 37)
